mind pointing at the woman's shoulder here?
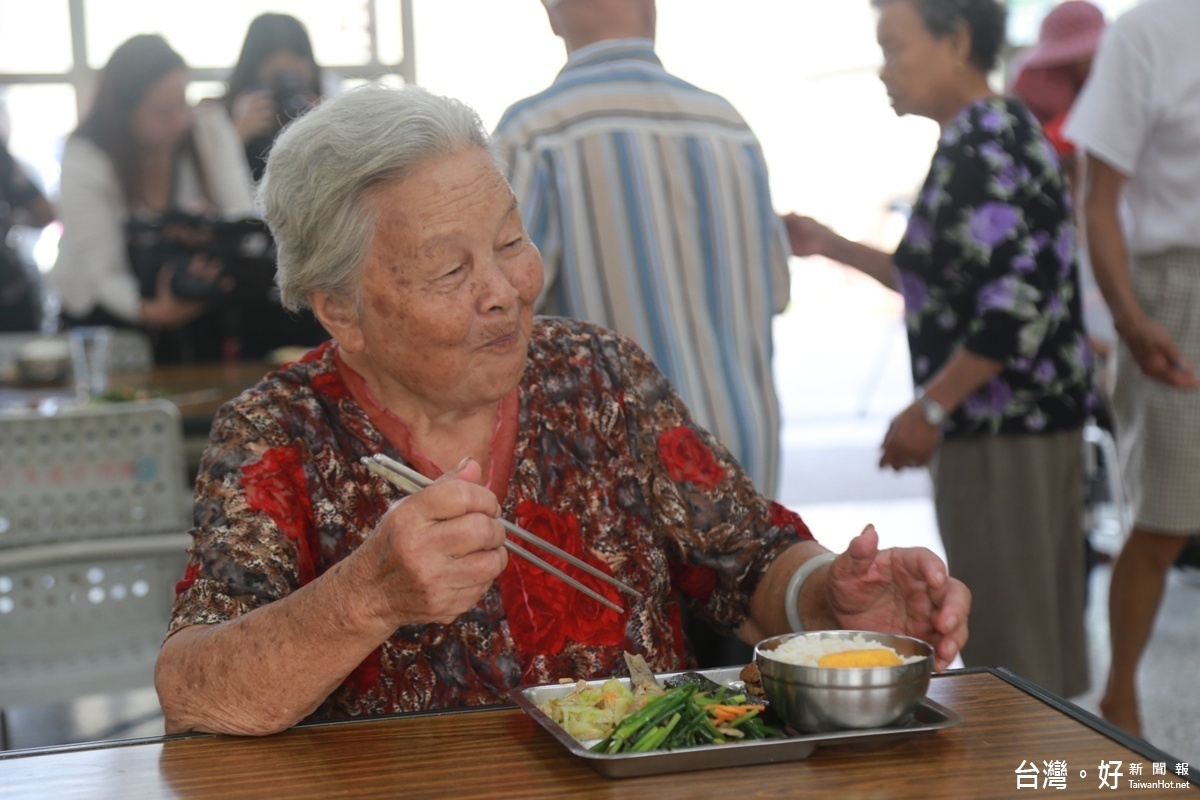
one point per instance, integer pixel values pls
(83, 157)
(568, 352)
(291, 392)
(565, 335)
(88, 178)
(999, 136)
(996, 118)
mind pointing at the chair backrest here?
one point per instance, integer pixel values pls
(84, 617)
(107, 470)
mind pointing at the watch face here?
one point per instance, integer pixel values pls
(934, 414)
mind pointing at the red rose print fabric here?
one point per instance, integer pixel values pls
(687, 458)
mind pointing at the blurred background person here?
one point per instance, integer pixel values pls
(1138, 121)
(999, 356)
(649, 201)
(139, 153)
(1051, 74)
(21, 203)
(275, 80)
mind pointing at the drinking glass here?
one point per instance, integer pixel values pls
(90, 352)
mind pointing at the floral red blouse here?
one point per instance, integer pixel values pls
(607, 465)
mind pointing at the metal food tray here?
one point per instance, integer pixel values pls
(929, 716)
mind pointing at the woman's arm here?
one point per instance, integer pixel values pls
(899, 590)
(432, 556)
(266, 670)
(810, 238)
(911, 438)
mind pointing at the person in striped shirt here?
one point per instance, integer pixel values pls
(648, 198)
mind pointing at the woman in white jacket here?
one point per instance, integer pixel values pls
(140, 153)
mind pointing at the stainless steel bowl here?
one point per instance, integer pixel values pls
(818, 699)
(39, 370)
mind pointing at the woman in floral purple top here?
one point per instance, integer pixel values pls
(987, 269)
(314, 589)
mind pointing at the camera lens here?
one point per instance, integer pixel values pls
(291, 95)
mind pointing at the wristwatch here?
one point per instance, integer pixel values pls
(935, 412)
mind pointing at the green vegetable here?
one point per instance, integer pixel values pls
(685, 717)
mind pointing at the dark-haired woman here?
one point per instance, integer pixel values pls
(988, 272)
(141, 152)
(276, 79)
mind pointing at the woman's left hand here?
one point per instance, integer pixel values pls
(904, 590)
(910, 440)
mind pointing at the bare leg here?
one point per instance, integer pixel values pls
(1134, 595)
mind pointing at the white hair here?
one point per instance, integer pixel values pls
(315, 193)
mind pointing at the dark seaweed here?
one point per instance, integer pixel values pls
(701, 682)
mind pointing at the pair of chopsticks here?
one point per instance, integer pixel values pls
(409, 480)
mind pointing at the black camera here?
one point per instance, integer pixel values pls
(291, 95)
(243, 246)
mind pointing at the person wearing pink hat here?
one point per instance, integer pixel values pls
(1054, 69)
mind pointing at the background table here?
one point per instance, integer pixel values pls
(502, 753)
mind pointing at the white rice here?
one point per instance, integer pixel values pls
(805, 651)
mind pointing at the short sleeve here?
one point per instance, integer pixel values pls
(252, 524)
(1114, 112)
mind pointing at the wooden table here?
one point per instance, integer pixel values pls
(198, 389)
(502, 753)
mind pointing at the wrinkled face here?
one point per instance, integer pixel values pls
(449, 284)
(163, 117)
(920, 70)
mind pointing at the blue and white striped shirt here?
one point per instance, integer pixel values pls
(649, 201)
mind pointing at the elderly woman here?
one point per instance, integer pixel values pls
(1002, 367)
(316, 590)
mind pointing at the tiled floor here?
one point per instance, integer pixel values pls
(842, 365)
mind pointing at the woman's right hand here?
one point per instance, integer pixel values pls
(1157, 354)
(435, 553)
(254, 114)
(807, 236)
(165, 309)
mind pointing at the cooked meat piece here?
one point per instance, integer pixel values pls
(753, 680)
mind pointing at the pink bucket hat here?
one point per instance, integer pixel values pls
(1070, 32)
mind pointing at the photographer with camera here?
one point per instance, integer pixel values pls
(275, 80)
(141, 154)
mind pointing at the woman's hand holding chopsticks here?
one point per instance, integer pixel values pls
(435, 553)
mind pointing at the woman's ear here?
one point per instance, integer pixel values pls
(960, 41)
(340, 317)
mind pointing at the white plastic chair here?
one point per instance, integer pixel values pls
(93, 514)
(84, 617)
(83, 473)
